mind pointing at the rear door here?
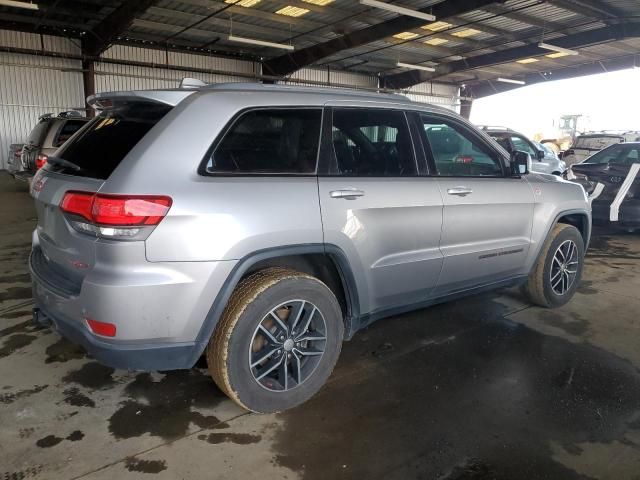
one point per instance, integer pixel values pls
(92, 157)
(488, 215)
(377, 208)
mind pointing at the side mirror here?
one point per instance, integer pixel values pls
(520, 162)
(540, 154)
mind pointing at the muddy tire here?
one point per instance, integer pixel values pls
(558, 271)
(277, 341)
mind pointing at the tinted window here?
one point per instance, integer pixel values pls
(109, 137)
(521, 144)
(456, 152)
(68, 129)
(270, 141)
(368, 142)
(622, 153)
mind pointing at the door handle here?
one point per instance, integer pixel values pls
(349, 194)
(459, 191)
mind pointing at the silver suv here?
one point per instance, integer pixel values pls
(263, 225)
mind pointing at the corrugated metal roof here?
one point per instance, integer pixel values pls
(200, 25)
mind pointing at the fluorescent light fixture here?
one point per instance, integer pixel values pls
(557, 55)
(467, 32)
(511, 80)
(322, 3)
(15, 4)
(553, 48)
(436, 26)
(436, 41)
(243, 3)
(416, 67)
(291, 11)
(262, 43)
(405, 35)
(527, 60)
(396, 9)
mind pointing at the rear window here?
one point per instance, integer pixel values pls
(108, 138)
(67, 130)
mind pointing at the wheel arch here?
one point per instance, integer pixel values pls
(326, 262)
(577, 218)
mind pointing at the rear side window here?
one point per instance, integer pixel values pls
(269, 141)
(67, 130)
(109, 137)
(372, 143)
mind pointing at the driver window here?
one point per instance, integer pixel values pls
(523, 146)
(372, 143)
(457, 153)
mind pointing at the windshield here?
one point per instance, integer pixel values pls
(108, 138)
(624, 153)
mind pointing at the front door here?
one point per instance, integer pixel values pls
(488, 213)
(376, 208)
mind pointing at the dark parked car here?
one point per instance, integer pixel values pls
(610, 177)
(49, 133)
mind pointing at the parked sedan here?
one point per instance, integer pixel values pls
(610, 177)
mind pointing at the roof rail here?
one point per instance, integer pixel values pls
(493, 127)
(45, 116)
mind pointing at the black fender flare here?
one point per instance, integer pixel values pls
(335, 253)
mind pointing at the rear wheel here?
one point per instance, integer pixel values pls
(277, 341)
(558, 271)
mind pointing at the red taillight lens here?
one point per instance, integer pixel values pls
(121, 210)
(41, 160)
(117, 210)
(78, 203)
(101, 328)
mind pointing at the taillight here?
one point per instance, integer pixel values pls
(107, 212)
(41, 160)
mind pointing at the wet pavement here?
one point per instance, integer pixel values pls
(482, 388)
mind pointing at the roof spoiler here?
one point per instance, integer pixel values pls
(108, 100)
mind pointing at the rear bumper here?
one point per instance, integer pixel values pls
(158, 309)
(130, 357)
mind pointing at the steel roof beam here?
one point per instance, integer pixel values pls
(115, 24)
(289, 63)
(576, 40)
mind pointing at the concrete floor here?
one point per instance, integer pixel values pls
(482, 388)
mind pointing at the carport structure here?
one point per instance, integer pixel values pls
(469, 45)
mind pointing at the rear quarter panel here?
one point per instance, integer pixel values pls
(215, 217)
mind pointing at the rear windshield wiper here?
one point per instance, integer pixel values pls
(64, 163)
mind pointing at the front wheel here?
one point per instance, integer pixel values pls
(558, 271)
(277, 341)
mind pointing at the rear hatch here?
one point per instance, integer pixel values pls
(66, 246)
(33, 144)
